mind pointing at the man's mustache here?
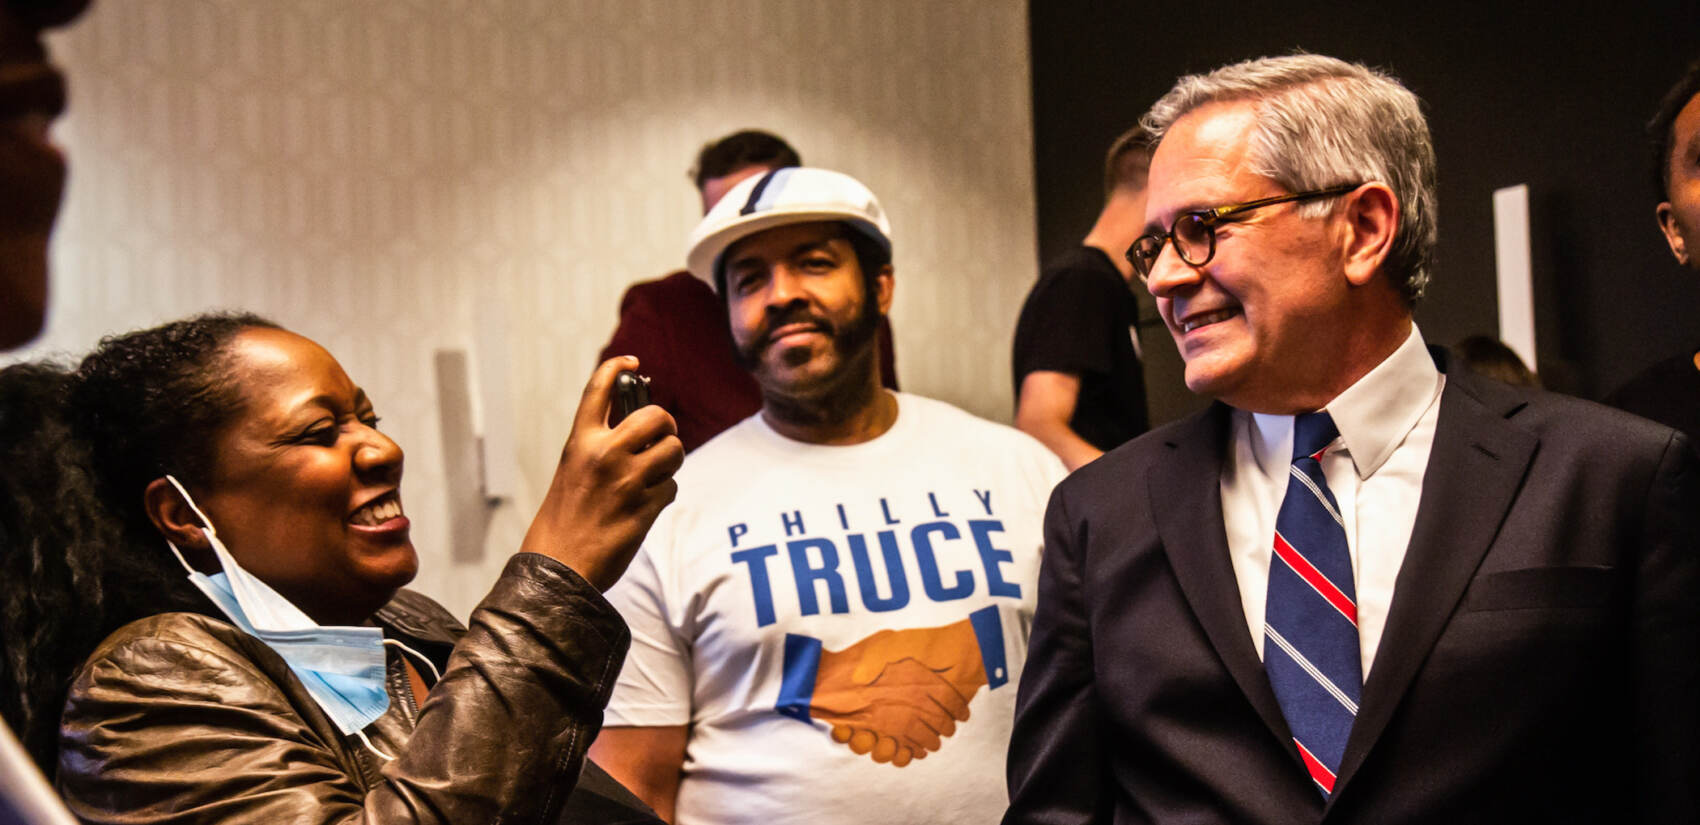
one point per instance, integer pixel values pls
(786, 317)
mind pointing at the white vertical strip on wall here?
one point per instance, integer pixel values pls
(1514, 272)
(494, 412)
(463, 487)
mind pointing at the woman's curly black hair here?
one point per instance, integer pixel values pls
(149, 403)
(54, 538)
(78, 556)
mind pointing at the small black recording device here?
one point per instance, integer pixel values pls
(631, 391)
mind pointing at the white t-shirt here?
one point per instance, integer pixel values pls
(764, 611)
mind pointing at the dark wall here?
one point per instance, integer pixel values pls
(1525, 94)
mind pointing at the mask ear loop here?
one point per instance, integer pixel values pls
(206, 523)
(435, 675)
(361, 735)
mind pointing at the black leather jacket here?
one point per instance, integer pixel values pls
(182, 718)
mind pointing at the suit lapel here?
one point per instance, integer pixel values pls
(1475, 471)
(1186, 502)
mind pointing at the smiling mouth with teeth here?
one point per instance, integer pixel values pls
(377, 513)
(1208, 318)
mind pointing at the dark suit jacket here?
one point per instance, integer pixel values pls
(1540, 663)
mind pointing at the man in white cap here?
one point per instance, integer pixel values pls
(835, 610)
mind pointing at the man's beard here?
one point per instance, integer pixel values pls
(835, 396)
(848, 341)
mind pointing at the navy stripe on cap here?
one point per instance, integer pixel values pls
(755, 194)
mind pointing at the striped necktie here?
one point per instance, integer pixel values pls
(1310, 645)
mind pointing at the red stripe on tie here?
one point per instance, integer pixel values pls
(1315, 579)
(1318, 771)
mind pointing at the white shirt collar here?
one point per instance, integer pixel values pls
(1373, 415)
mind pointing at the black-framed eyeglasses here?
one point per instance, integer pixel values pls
(1194, 233)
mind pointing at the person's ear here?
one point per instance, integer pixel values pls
(1372, 220)
(173, 517)
(1673, 232)
(885, 282)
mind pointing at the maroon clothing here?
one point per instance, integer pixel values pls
(677, 328)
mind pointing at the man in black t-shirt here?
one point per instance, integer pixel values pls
(1079, 386)
(1669, 391)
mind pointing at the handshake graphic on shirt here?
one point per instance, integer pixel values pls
(896, 695)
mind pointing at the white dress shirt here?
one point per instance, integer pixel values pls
(1375, 470)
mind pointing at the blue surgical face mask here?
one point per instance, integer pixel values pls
(341, 667)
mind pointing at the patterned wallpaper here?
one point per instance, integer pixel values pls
(380, 174)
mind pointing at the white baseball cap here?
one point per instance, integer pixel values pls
(795, 194)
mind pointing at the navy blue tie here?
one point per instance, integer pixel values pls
(1310, 623)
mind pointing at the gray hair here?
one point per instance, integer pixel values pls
(1323, 122)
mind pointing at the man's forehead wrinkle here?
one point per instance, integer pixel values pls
(750, 255)
(811, 246)
(744, 254)
(1257, 145)
(1207, 176)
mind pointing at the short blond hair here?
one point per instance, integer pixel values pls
(1128, 163)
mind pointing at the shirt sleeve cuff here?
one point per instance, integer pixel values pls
(988, 630)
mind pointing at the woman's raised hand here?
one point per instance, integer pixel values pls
(610, 483)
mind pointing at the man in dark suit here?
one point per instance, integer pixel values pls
(1361, 587)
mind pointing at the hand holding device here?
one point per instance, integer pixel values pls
(631, 391)
(609, 484)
